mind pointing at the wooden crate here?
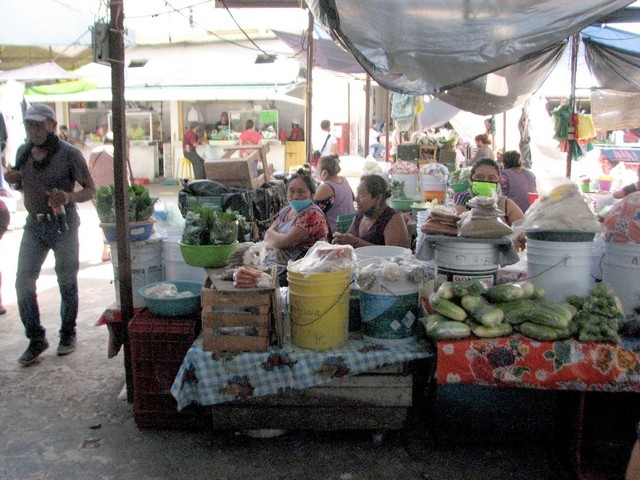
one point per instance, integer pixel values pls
(241, 319)
(238, 172)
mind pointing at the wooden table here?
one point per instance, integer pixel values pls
(358, 386)
(569, 365)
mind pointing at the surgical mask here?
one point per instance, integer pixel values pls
(299, 205)
(484, 189)
(370, 212)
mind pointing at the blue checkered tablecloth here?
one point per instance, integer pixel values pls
(209, 378)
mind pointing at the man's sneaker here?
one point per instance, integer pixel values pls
(31, 354)
(67, 345)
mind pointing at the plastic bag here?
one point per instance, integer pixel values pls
(325, 257)
(174, 217)
(378, 272)
(564, 208)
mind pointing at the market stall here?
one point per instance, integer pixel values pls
(340, 388)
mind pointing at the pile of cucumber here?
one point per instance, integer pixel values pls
(460, 309)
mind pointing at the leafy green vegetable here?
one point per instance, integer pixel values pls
(600, 315)
(140, 203)
(397, 190)
(209, 226)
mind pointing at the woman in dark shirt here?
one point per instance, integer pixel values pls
(375, 222)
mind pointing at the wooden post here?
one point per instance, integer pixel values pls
(309, 95)
(367, 115)
(575, 43)
(116, 54)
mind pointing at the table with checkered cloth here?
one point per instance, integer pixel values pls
(209, 378)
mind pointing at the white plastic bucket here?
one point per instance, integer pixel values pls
(388, 312)
(560, 268)
(433, 188)
(175, 267)
(380, 251)
(621, 271)
(410, 183)
(460, 261)
(421, 217)
(146, 267)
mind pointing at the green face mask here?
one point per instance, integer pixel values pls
(484, 189)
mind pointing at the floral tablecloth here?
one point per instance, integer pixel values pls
(209, 378)
(518, 361)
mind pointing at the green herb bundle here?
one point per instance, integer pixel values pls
(208, 226)
(140, 203)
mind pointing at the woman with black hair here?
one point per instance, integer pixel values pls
(299, 225)
(485, 181)
(375, 223)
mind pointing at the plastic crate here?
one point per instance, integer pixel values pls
(158, 346)
(343, 222)
(192, 201)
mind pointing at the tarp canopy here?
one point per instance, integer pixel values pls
(326, 53)
(417, 47)
(613, 57)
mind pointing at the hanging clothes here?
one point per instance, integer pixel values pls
(193, 115)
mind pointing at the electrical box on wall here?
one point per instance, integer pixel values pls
(100, 43)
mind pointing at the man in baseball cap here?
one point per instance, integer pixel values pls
(46, 171)
(39, 112)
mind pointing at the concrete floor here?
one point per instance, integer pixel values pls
(61, 418)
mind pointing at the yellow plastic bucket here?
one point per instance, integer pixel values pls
(319, 309)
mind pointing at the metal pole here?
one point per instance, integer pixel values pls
(116, 54)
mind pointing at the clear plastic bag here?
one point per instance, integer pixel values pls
(325, 257)
(564, 208)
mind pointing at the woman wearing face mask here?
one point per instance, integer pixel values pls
(375, 222)
(485, 179)
(334, 196)
(299, 225)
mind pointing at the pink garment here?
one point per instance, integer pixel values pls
(249, 137)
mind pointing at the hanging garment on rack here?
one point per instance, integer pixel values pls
(193, 115)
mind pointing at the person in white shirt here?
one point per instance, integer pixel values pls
(375, 147)
(326, 142)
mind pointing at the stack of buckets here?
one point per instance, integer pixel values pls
(388, 313)
(319, 309)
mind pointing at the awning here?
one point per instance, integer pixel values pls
(185, 93)
(213, 71)
(48, 71)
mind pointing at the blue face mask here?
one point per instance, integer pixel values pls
(299, 205)
(370, 212)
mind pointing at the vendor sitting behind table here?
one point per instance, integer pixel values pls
(485, 180)
(299, 225)
(375, 222)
